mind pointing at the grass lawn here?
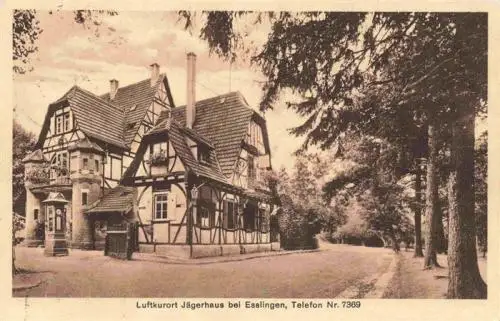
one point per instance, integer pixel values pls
(411, 281)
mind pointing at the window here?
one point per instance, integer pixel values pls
(251, 168)
(85, 163)
(66, 122)
(203, 154)
(50, 218)
(159, 148)
(249, 217)
(230, 212)
(59, 125)
(205, 214)
(35, 214)
(84, 198)
(63, 123)
(262, 220)
(62, 159)
(96, 166)
(59, 165)
(159, 154)
(131, 126)
(161, 203)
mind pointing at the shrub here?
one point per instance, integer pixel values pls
(297, 230)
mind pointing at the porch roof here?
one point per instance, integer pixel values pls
(86, 145)
(119, 199)
(35, 157)
(251, 194)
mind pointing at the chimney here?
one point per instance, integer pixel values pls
(191, 92)
(155, 73)
(113, 88)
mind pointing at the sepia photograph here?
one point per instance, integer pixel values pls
(292, 159)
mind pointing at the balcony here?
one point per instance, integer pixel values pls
(47, 177)
(61, 180)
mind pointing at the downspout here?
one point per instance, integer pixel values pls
(220, 220)
(189, 214)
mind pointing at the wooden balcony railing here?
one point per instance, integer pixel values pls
(48, 176)
(60, 180)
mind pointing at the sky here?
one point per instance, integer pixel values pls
(123, 47)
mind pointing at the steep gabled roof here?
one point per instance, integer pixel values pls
(96, 117)
(107, 120)
(119, 199)
(177, 136)
(140, 95)
(221, 124)
(223, 120)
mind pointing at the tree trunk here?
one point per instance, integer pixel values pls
(395, 243)
(441, 244)
(464, 280)
(381, 236)
(418, 212)
(431, 199)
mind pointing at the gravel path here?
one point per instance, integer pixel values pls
(323, 274)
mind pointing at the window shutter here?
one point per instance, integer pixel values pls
(171, 205)
(225, 213)
(52, 126)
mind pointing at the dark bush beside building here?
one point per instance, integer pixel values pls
(297, 227)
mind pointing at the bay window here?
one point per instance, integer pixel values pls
(59, 165)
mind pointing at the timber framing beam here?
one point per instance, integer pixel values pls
(176, 177)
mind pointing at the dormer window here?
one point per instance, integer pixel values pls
(203, 155)
(159, 154)
(59, 125)
(131, 126)
(66, 122)
(62, 123)
(133, 107)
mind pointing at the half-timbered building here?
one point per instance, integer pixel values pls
(191, 177)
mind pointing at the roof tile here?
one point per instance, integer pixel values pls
(119, 199)
(224, 121)
(140, 95)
